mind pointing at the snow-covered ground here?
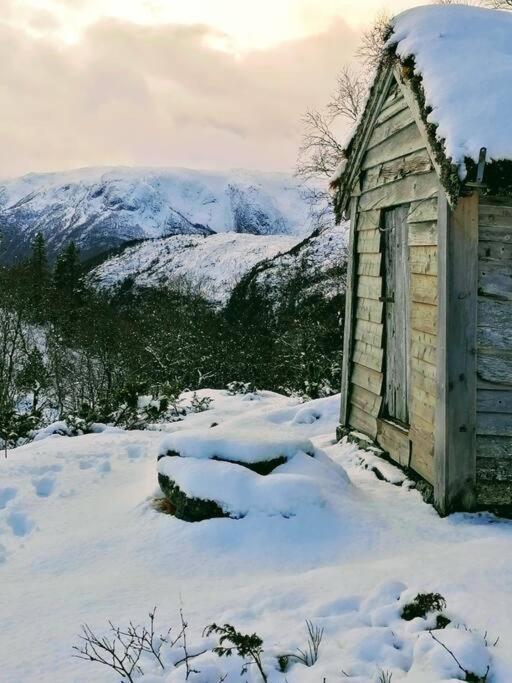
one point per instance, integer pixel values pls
(80, 541)
(214, 264)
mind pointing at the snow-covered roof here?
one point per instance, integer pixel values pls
(462, 60)
(464, 56)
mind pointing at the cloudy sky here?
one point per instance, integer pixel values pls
(195, 83)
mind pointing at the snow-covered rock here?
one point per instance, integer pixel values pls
(302, 482)
(103, 208)
(242, 441)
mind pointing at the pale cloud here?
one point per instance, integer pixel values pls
(249, 24)
(159, 95)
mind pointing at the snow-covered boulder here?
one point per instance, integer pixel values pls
(257, 445)
(203, 488)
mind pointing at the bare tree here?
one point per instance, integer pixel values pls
(350, 95)
(499, 4)
(493, 4)
(321, 150)
(374, 39)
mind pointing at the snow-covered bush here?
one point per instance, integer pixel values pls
(234, 388)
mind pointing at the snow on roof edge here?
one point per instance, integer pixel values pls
(445, 45)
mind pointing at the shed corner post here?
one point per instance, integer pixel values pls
(348, 323)
(455, 424)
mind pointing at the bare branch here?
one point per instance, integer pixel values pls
(373, 40)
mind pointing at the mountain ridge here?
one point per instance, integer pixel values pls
(102, 208)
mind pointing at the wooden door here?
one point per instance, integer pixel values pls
(397, 314)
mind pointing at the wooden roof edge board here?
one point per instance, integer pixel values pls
(392, 68)
(412, 102)
(342, 186)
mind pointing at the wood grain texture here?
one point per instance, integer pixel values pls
(400, 192)
(363, 422)
(389, 171)
(455, 416)
(368, 355)
(369, 287)
(349, 314)
(495, 279)
(368, 220)
(365, 400)
(494, 447)
(424, 260)
(495, 365)
(494, 424)
(369, 309)
(423, 234)
(494, 401)
(368, 379)
(395, 106)
(496, 251)
(494, 325)
(397, 314)
(424, 318)
(369, 332)
(393, 124)
(424, 346)
(424, 289)
(403, 142)
(368, 242)
(369, 264)
(423, 210)
(395, 441)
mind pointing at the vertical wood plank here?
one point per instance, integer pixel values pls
(455, 432)
(397, 314)
(349, 314)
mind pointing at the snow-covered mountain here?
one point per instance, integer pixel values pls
(217, 264)
(316, 265)
(103, 208)
(213, 263)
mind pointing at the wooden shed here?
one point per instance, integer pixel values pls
(427, 185)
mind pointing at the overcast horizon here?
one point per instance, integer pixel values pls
(208, 85)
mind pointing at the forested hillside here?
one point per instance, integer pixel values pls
(73, 352)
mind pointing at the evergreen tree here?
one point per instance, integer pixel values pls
(38, 262)
(66, 276)
(38, 275)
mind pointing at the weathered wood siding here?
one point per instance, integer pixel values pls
(396, 170)
(494, 354)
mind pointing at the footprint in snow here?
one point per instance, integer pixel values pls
(45, 469)
(6, 495)
(104, 467)
(44, 487)
(20, 523)
(134, 452)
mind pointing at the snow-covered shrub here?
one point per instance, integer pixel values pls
(248, 647)
(422, 605)
(234, 388)
(199, 404)
(16, 427)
